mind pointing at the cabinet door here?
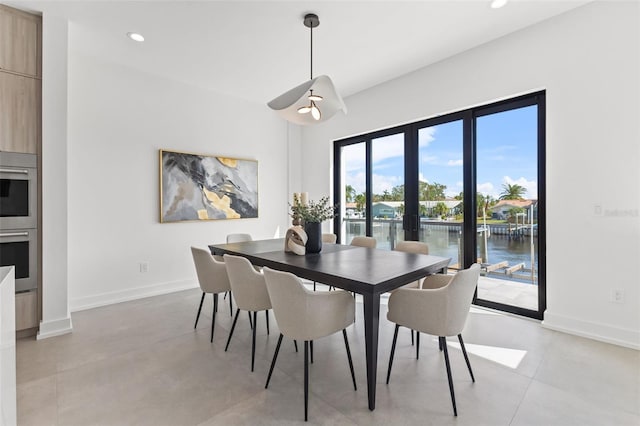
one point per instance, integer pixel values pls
(19, 42)
(19, 113)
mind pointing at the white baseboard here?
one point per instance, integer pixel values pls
(110, 298)
(54, 328)
(592, 330)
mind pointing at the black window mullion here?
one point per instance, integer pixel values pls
(368, 192)
(469, 233)
(411, 185)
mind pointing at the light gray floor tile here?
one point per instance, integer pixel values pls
(142, 363)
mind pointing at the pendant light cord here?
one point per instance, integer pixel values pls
(311, 29)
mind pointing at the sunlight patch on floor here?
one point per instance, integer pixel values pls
(508, 357)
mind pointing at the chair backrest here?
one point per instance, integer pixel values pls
(460, 295)
(238, 238)
(248, 285)
(329, 238)
(304, 314)
(416, 247)
(364, 242)
(212, 274)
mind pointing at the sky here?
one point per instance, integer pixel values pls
(506, 154)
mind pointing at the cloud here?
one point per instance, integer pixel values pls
(426, 136)
(387, 147)
(429, 159)
(381, 183)
(454, 163)
(487, 188)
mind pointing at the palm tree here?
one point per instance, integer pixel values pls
(350, 193)
(512, 192)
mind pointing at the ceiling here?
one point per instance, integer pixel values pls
(260, 49)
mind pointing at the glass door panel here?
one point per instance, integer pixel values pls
(440, 185)
(507, 194)
(353, 199)
(387, 188)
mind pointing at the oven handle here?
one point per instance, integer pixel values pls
(14, 234)
(15, 171)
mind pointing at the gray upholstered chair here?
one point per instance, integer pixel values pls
(306, 315)
(362, 241)
(250, 292)
(212, 277)
(238, 238)
(329, 238)
(439, 308)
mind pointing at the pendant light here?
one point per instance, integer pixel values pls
(300, 104)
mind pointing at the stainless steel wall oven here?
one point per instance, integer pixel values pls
(19, 217)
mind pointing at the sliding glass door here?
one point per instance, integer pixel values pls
(469, 184)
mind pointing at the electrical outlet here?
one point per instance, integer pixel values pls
(617, 295)
(144, 267)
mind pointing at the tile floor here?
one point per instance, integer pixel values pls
(142, 363)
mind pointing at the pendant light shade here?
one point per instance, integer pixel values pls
(313, 101)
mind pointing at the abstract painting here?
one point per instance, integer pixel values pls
(203, 187)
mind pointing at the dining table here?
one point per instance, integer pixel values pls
(366, 271)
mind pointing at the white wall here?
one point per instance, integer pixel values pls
(118, 120)
(588, 62)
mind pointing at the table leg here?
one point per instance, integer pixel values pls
(371, 317)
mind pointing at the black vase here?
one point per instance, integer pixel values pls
(314, 236)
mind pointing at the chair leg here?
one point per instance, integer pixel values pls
(233, 327)
(266, 313)
(253, 341)
(346, 345)
(466, 358)
(417, 345)
(225, 295)
(311, 347)
(199, 309)
(412, 342)
(250, 321)
(314, 286)
(213, 316)
(230, 305)
(440, 345)
(393, 351)
(306, 379)
(273, 361)
(446, 361)
(295, 343)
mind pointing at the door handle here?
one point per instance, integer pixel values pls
(14, 234)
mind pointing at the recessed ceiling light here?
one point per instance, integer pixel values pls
(135, 36)
(497, 4)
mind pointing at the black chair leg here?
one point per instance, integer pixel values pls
(213, 316)
(230, 305)
(266, 313)
(440, 345)
(233, 327)
(253, 341)
(346, 345)
(225, 295)
(446, 361)
(250, 321)
(199, 309)
(306, 379)
(311, 347)
(295, 343)
(273, 361)
(417, 345)
(393, 351)
(466, 358)
(412, 342)
(314, 286)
